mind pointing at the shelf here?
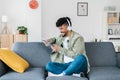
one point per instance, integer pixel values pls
(6, 40)
(112, 28)
(114, 35)
(113, 23)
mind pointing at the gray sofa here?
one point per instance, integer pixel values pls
(104, 62)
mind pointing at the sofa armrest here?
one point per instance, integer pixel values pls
(118, 59)
(3, 68)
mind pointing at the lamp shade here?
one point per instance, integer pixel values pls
(4, 19)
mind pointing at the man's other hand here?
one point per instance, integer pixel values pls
(47, 42)
(55, 48)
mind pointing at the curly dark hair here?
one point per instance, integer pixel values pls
(63, 20)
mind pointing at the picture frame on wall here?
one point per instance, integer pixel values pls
(82, 9)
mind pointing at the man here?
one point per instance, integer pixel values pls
(68, 55)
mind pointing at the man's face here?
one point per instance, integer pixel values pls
(63, 29)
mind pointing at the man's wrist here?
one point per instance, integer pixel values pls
(60, 50)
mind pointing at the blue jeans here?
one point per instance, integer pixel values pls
(78, 65)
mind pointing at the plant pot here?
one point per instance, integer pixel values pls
(21, 32)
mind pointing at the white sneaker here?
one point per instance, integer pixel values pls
(51, 74)
(78, 75)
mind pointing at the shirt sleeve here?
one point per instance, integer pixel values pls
(52, 40)
(78, 48)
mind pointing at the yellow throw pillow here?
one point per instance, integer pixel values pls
(13, 60)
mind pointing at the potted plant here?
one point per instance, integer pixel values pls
(22, 30)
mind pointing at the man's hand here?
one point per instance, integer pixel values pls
(46, 42)
(55, 48)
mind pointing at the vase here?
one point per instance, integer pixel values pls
(21, 32)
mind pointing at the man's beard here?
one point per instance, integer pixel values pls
(63, 34)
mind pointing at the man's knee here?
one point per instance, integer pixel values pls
(80, 57)
(48, 66)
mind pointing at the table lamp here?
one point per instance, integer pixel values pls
(5, 29)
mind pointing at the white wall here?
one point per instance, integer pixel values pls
(89, 27)
(19, 13)
(1, 11)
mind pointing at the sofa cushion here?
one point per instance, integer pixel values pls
(65, 78)
(118, 59)
(13, 60)
(30, 74)
(104, 73)
(36, 53)
(100, 54)
(3, 68)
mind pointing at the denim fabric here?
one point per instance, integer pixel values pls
(78, 65)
